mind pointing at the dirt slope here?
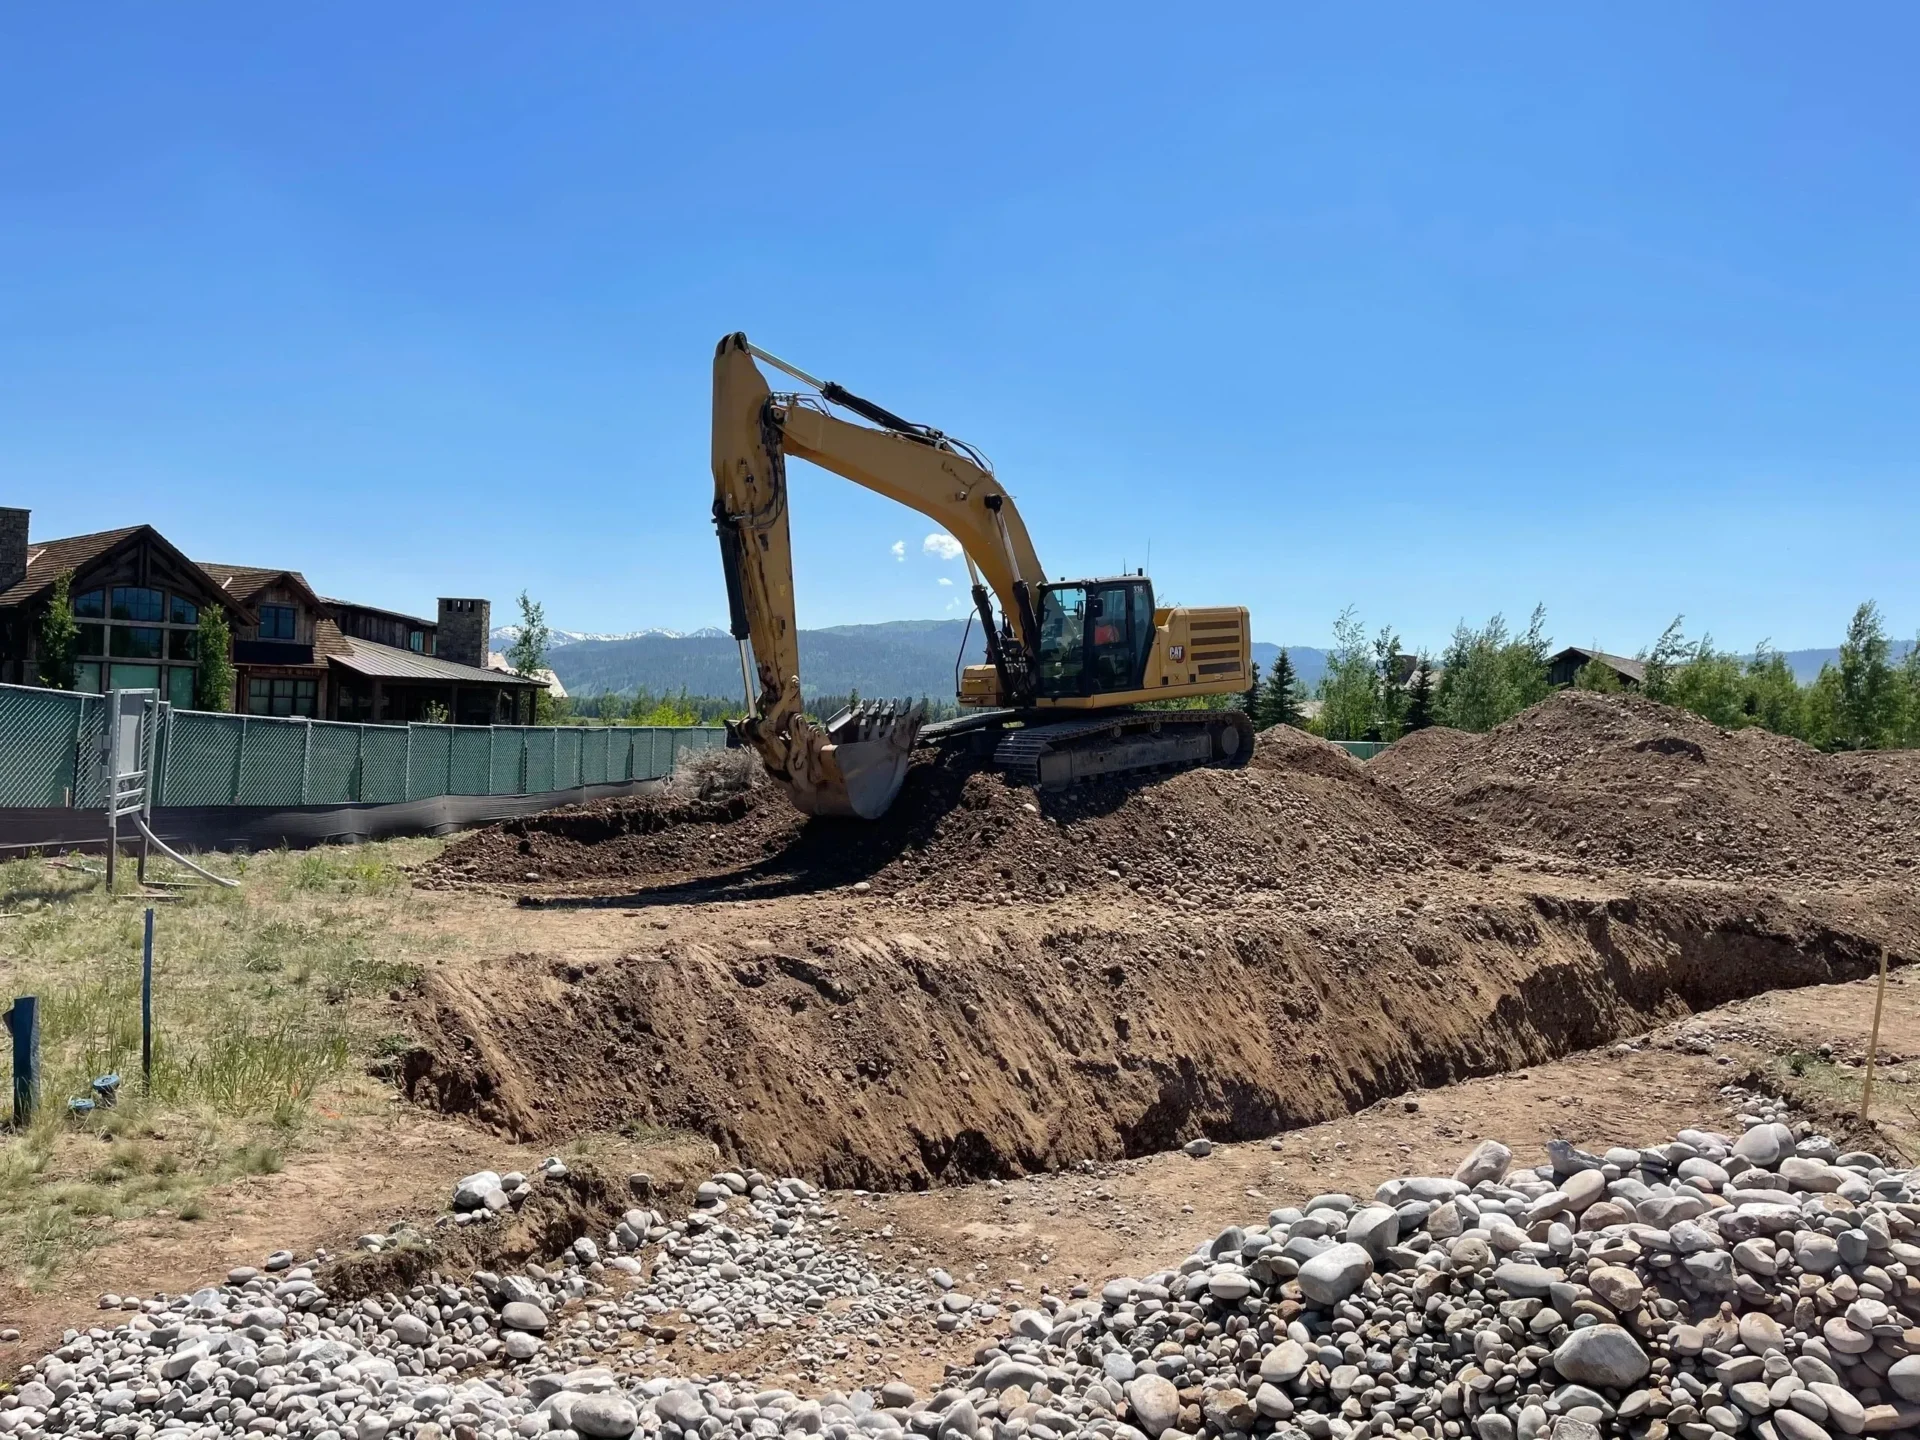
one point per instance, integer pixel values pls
(991, 981)
(1304, 818)
(1628, 783)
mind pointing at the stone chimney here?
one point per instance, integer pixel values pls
(13, 546)
(463, 631)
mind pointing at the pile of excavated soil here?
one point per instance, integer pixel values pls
(1622, 781)
(1303, 819)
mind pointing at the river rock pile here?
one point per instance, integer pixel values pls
(1710, 1287)
(1705, 1288)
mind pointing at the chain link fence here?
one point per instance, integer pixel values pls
(50, 747)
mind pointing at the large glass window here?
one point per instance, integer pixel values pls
(276, 622)
(92, 640)
(1063, 616)
(180, 686)
(135, 642)
(182, 611)
(134, 677)
(90, 604)
(281, 697)
(132, 602)
(86, 677)
(183, 644)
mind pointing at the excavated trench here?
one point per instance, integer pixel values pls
(992, 981)
(995, 1044)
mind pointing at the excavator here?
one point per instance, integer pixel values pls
(1069, 663)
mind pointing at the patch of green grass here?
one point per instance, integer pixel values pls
(266, 998)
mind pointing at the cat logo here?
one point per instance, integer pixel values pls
(1176, 652)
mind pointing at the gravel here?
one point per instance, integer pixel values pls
(1715, 1286)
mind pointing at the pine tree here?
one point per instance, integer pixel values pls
(1250, 702)
(59, 638)
(1280, 696)
(528, 655)
(1420, 697)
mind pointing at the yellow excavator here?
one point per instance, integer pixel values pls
(1068, 662)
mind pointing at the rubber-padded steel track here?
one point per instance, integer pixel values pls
(1019, 751)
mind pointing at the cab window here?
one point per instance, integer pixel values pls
(1063, 614)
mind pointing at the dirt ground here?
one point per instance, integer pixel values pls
(1006, 1009)
(1019, 1239)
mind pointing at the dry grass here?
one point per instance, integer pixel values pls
(268, 1002)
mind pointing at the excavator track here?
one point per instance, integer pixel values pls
(1053, 755)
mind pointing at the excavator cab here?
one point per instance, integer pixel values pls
(1095, 636)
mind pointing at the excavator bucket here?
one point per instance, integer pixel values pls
(856, 764)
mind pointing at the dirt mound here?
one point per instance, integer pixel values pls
(1623, 781)
(857, 1047)
(1303, 818)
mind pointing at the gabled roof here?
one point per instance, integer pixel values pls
(386, 662)
(50, 559)
(1634, 670)
(339, 604)
(243, 582)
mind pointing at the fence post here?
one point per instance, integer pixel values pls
(146, 1006)
(553, 765)
(492, 734)
(358, 789)
(24, 1021)
(306, 761)
(406, 773)
(239, 759)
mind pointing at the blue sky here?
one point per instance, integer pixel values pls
(1433, 310)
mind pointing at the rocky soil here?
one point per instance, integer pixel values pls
(1717, 1285)
(1623, 782)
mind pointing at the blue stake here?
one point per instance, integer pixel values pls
(146, 1006)
(24, 1021)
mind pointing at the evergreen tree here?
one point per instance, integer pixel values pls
(1280, 696)
(1250, 702)
(1390, 715)
(1599, 677)
(213, 688)
(59, 638)
(1420, 697)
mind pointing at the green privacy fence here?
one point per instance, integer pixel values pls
(50, 743)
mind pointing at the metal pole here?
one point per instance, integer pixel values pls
(306, 762)
(146, 1005)
(406, 776)
(359, 763)
(24, 1021)
(239, 759)
(1873, 1044)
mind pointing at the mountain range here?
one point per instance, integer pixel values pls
(894, 659)
(905, 658)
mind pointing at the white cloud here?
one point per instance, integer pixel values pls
(900, 551)
(942, 546)
(945, 581)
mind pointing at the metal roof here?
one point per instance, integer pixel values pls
(387, 662)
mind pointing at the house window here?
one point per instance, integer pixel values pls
(182, 611)
(180, 686)
(93, 639)
(416, 641)
(183, 644)
(132, 602)
(282, 697)
(90, 605)
(133, 677)
(86, 677)
(135, 642)
(276, 622)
